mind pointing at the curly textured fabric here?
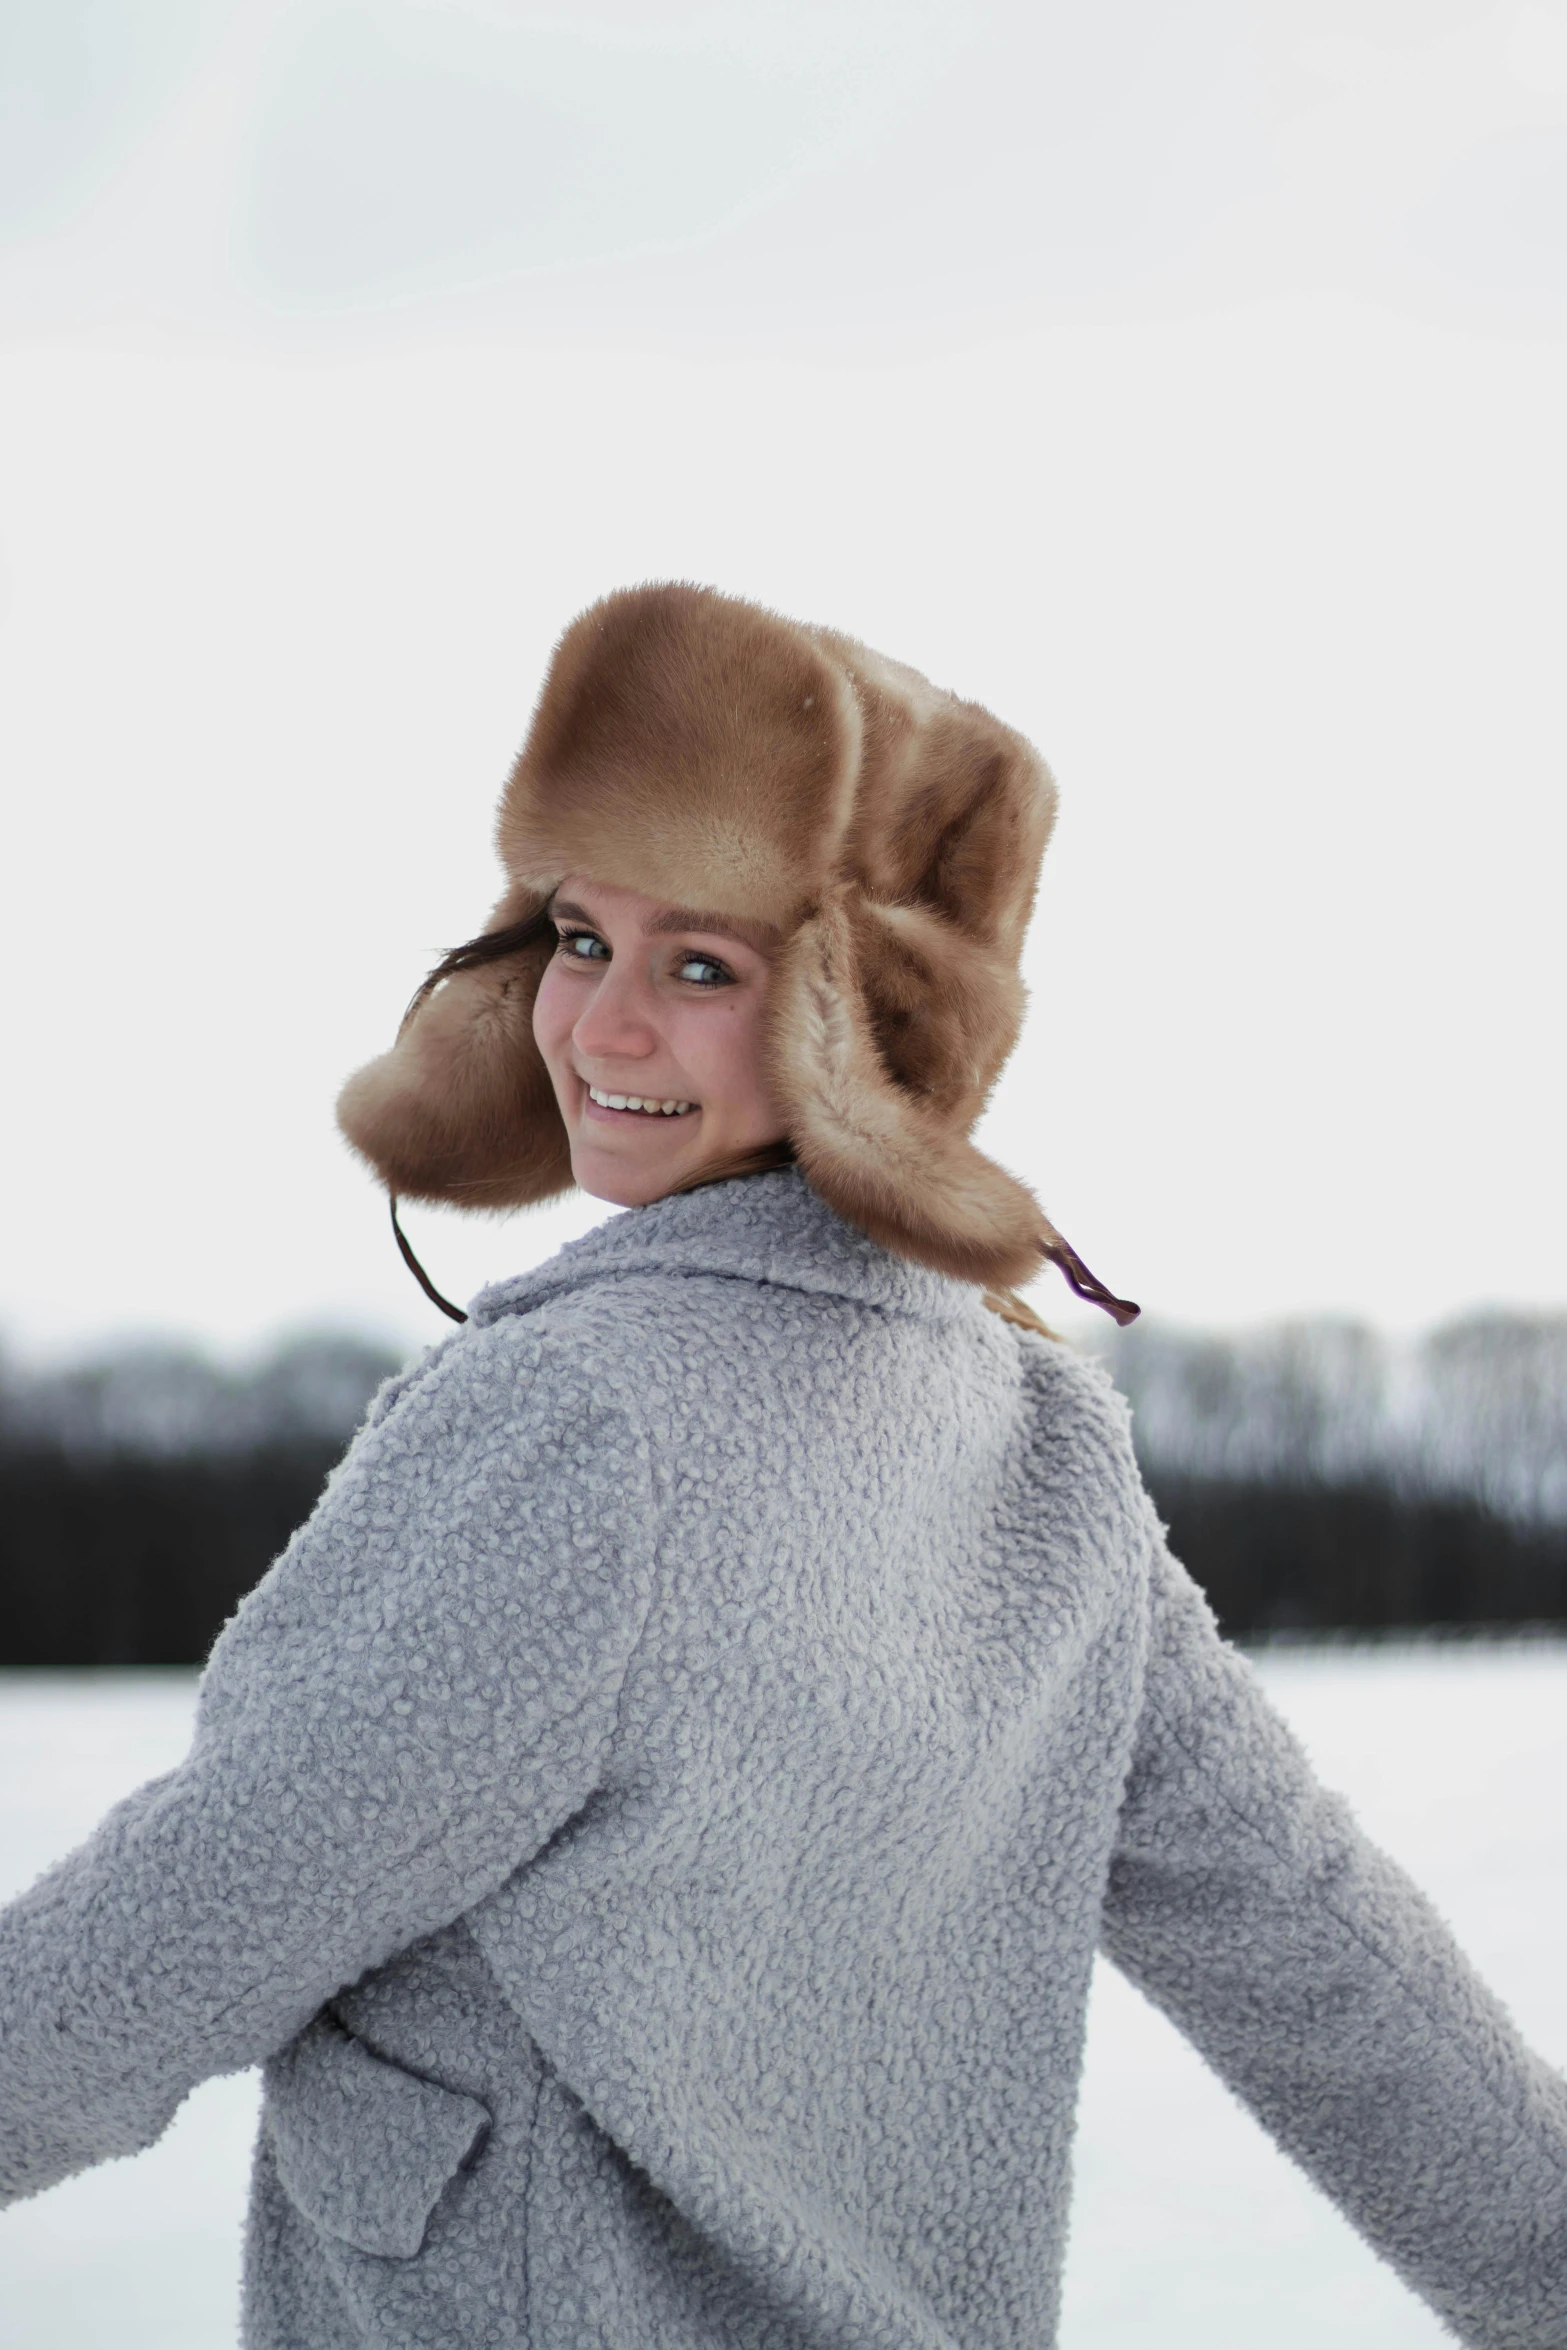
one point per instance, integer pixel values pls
(655, 1822)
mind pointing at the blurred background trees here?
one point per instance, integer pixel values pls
(1315, 1477)
(143, 1493)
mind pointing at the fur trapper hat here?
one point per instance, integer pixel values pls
(706, 751)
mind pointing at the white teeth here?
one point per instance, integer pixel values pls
(633, 1101)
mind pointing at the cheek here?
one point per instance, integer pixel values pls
(553, 1014)
(721, 1054)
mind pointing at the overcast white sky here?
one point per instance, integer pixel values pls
(1184, 379)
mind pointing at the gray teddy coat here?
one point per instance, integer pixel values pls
(656, 1820)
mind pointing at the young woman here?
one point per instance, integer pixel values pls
(655, 1822)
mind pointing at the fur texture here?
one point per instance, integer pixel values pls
(708, 752)
(655, 1823)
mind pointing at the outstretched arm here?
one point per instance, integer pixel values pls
(1324, 1988)
(419, 1693)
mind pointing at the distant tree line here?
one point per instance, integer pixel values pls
(142, 1495)
(1314, 1478)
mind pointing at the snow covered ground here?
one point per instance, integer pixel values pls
(1190, 2233)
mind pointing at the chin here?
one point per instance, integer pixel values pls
(623, 1187)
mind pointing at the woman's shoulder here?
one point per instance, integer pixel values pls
(475, 1361)
(1071, 1384)
(534, 1380)
(1080, 1424)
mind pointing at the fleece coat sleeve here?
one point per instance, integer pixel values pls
(420, 1692)
(1324, 1989)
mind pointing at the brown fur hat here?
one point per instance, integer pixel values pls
(706, 751)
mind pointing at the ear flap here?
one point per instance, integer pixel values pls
(884, 1157)
(943, 1010)
(873, 1149)
(462, 1109)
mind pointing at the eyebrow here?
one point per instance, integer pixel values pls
(756, 935)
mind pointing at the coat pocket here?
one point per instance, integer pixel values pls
(363, 2148)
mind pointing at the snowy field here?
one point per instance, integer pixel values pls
(1190, 2233)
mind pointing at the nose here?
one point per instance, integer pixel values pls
(616, 1023)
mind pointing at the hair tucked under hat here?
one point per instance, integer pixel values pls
(703, 750)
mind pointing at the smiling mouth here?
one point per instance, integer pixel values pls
(637, 1105)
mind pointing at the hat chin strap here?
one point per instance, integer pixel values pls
(758, 1162)
(1088, 1286)
(1001, 1301)
(455, 1313)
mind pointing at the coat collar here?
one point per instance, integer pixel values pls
(772, 1229)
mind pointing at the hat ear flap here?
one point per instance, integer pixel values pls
(875, 1151)
(462, 1108)
(883, 1154)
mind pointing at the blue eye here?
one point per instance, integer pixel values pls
(582, 946)
(703, 971)
(586, 946)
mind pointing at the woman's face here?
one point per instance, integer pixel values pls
(659, 1005)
